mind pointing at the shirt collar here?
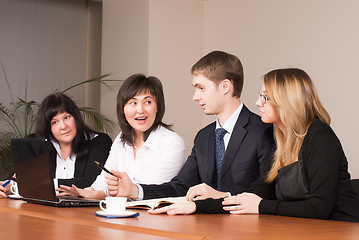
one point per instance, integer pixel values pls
(152, 141)
(229, 124)
(58, 150)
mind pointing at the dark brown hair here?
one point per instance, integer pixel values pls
(59, 103)
(133, 85)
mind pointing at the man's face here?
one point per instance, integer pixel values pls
(207, 94)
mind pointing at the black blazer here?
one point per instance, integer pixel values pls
(249, 147)
(86, 170)
(331, 195)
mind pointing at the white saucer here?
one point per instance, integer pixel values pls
(14, 196)
(125, 214)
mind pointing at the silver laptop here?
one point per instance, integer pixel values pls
(33, 174)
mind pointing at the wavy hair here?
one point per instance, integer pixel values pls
(296, 100)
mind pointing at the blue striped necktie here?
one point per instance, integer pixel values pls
(220, 151)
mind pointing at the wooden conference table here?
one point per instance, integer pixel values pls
(26, 221)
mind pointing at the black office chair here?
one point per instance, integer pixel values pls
(355, 185)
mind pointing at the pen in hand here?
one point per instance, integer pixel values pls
(105, 169)
(6, 183)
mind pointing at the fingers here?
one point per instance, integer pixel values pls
(175, 209)
(233, 208)
(116, 175)
(77, 190)
(64, 187)
(2, 192)
(170, 210)
(196, 192)
(190, 194)
(67, 191)
(61, 194)
(160, 210)
(233, 200)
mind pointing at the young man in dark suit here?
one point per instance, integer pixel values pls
(246, 145)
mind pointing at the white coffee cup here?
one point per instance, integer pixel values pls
(14, 189)
(114, 204)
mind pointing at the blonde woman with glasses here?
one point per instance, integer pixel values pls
(309, 174)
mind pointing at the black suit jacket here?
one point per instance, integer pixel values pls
(250, 146)
(86, 170)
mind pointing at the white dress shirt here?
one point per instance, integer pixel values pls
(158, 160)
(65, 168)
(229, 125)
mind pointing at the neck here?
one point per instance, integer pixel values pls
(228, 110)
(65, 149)
(138, 141)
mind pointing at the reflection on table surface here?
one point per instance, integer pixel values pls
(21, 220)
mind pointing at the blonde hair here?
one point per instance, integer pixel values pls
(293, 94)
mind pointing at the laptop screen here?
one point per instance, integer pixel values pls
(32, 168)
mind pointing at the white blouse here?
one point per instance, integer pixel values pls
(157, 161)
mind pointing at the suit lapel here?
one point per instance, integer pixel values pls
(236, 139)
(211, 154)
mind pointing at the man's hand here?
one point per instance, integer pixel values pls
(177, 208)
(121, 185)
(203, 191)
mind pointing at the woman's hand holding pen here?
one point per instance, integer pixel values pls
(119, 184)
(4, 188)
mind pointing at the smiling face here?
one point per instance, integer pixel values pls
(207, 94)
(63, 128)
(140, 112)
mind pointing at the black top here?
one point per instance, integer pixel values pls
(86, 170)
(330, 194)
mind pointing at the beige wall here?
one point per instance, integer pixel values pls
(165, 37)
(320, 37)
(137, 39)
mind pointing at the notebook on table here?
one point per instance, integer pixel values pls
(31, 158)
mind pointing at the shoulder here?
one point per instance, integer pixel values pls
(319, 129)
(101, 138)
(206, 131)
(164, 134)
(319, 133)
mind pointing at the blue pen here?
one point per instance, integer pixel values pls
(6, 183)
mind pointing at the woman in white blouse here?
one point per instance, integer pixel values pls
(146, 148)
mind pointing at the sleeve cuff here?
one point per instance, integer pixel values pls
(268, 207)
(140, 192)
(56, 183)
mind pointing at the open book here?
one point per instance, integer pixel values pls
(155, 203)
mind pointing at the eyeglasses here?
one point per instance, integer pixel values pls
(264, 98)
